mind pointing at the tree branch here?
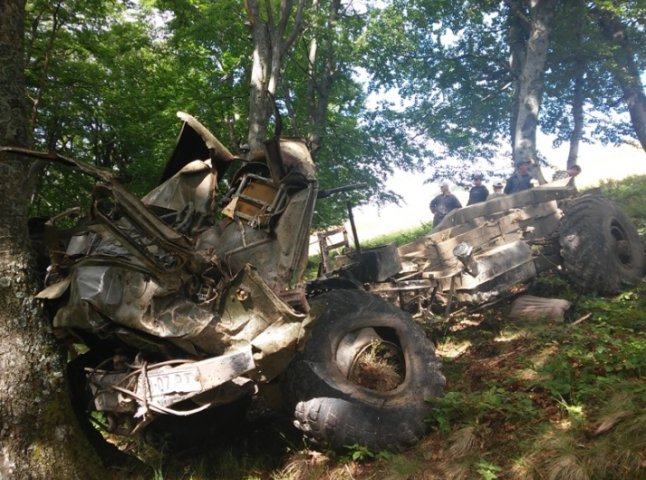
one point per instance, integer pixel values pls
(296, 29)
(524, 19)
(252, 12)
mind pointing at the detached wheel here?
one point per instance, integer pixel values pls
(364, 375)
(600, 247)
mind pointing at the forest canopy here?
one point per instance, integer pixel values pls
(372, 86)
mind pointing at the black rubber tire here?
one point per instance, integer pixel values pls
(335, 412)
(600, 246)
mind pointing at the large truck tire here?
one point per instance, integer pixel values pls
(340, 397)
(600, 246)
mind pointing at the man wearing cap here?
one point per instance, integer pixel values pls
(520, 180)
(497, 190)
(443, 203)
(478, 192)
(571, 172)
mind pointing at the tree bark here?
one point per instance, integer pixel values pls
(577, 116)
(517, 40)
(532, 84)
(578, 97)
(625, 71)
(271, 42)
(321, 70)
(39, 435)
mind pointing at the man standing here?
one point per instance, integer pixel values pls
(497, 190)
(571, 172)
(520, 180)
(443, 203)
(478, 192)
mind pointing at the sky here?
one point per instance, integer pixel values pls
(597, 163)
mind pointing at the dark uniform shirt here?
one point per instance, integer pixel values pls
(443, 204)
(518, 183)
(478, 193)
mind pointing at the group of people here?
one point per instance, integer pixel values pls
(521, 180)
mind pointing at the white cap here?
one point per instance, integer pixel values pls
(445, 183)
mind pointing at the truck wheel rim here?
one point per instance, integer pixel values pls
(378, 366)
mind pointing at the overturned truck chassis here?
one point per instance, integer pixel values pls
(483, 250)
(184, 301)
(176, 306)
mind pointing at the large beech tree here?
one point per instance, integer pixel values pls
(39, 434)
(478, 77)
(625, 69)
(274, 29)
(593, 90)
(530, 82)
(105, 81)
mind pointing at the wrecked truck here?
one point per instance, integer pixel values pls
(482, 251)
(185, 302)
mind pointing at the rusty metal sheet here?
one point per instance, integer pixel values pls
(245, 309)
(168, 385)
(146, 386)
(195, 185)
(55, 290)
(496, 262)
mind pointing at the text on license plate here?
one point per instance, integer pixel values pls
(178, 380)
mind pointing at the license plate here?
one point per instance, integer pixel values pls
(177, 380)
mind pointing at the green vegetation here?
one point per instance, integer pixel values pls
(400, 238)
(629, 193)
(104, 80)
(552, 397)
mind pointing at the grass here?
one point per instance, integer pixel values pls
(378, 368)
(629, 193)
(560, 401)
(524, 400)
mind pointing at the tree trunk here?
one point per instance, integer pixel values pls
(321, 70)
(577, 114)
(532, 85)
(578, 97)
(271, 41)
(258, 98)
(38, 432)
(625, 71)
(517, 40)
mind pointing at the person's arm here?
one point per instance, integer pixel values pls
(509, 186)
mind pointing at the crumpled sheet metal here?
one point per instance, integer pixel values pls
(125, 296)
(297, 158)
(144, 282)
(195, 184)
(247, 312)
(251, 311)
